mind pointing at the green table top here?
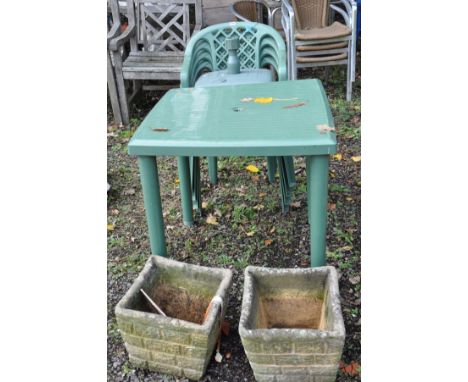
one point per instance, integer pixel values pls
(219, 121)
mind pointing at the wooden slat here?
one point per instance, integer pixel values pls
(217, 15)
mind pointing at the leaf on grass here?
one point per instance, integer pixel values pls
(211, 219)
(263, 100)
(250, 234)
(228, 355)
(255, 178)
(338, 156)
(129, 191)
(204, 205)
(110, 227)
(252, 168)
(218, 357)
(267, 242)
(352, 369)
(325, 129)
(295, 204)
(349, 199)
(331, 206)
(115, 211)
(355, 279)
(177, 181)
(225, 327)
(259, 207)
(262, 194)
(357, 158)
(273, 230)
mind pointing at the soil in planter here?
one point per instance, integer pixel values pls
(180, 303)
(289, 311)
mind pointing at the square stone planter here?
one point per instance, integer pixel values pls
(291, 324)
(182, 343)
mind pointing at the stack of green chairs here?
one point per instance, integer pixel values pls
(261, 48)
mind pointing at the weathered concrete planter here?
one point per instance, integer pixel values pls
(182, 343)
(291, 324)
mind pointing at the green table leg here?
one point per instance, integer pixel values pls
(271, 168)
(291, 174)
(152, 199)
(317, 194)
(213, 169)
(185, 189)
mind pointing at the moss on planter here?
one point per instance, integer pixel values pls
(291, 325)
(181, 343)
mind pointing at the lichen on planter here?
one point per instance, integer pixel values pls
(291, 324)
(182, 343)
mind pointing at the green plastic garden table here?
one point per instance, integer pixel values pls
(233, 121)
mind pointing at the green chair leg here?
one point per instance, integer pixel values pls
(290, 169)
(213, 169)
(185, 189)
(271, 168)
(285, 190)
(152, 199)
(196, 187)
(317, 195)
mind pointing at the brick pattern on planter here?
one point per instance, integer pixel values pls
(169, 345)
(290, 355)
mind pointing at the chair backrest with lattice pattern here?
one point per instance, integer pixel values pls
(164, 26)
(260, 47)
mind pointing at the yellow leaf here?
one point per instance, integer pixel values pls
(267, 242)
(262, 194)
(356, 158)
(349, 199)
(251, 233)
(204, 205)
(263, 100)
(338, 156)
(177, 181)
(252, 168)
(211, 219)
(110, 227)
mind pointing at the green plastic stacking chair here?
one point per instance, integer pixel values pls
(260, 47)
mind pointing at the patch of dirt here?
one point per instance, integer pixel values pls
(179, 303)
(303, 312)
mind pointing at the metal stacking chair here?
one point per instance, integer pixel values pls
(260, 47)
(315, 41)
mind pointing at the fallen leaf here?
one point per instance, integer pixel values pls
(115, 211)
(356, 158)
(218, 357)
(225, 327)
(204, 205)
(255, 178)
(273, 230)
(250, 234)
(348, 198)
(346, 248)
(325, 129)
(338, 156)
(267, 242)
(294, 106)
(218, 212)
(228, 355)
(331, 206)
(263, 100)
(295, 204)
(211, 219)
(110, 227)
(252, 168)
(129, 191)
(177, 181)
(259, 207)
(352, 369)
(355, 279)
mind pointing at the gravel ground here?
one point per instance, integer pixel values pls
(242, 203)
